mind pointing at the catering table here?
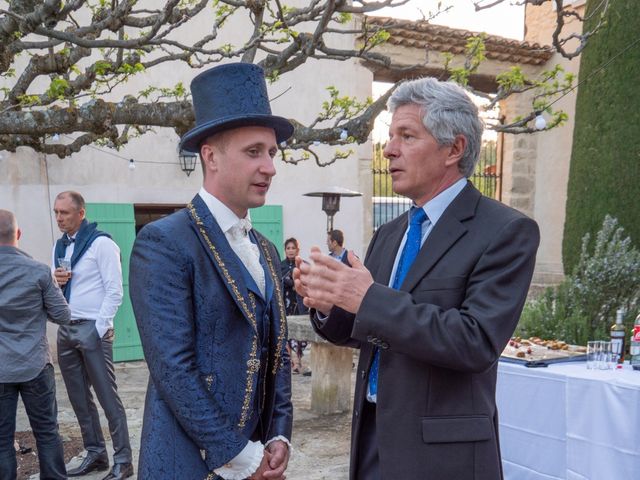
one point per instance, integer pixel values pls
(567, 422)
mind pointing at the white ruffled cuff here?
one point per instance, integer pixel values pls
(244, 464)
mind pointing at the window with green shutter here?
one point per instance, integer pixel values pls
(118, 220)
(268, 221)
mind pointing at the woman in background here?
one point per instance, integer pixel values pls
(292, 301)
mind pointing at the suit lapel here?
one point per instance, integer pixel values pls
(275, 298)
(222, 256)
(445, 233)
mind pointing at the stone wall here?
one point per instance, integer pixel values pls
(552, 150)
(519, 159)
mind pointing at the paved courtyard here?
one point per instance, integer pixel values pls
(321, 443)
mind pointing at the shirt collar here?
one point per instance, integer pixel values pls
(223, 214)
(10, 249)
(435, 207)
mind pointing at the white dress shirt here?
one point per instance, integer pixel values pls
(248, 460)
(96, 285)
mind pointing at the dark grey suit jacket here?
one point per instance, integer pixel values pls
(440, 338)
(28, 296)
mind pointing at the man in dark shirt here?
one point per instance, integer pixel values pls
(28, 295)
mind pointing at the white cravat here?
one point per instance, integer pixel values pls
(247, 251)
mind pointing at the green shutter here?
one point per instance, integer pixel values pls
(268, 221)
(118, 220)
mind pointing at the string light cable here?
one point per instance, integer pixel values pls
(131, 163)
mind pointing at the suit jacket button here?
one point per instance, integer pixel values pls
(362, 374)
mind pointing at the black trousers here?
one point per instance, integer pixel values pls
(368, 466)
(39, 398)
(86, 360)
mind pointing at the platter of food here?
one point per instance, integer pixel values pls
(536, 352)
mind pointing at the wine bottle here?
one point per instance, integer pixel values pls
(618, 337)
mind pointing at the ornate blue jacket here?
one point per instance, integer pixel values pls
(198, 325)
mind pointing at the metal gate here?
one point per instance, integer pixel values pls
(488, 173)
(387, 205)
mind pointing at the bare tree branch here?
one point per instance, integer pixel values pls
(57, 60)
(562, 13)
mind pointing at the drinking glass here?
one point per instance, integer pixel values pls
(65, 264)
(593, 352)
(605, 362)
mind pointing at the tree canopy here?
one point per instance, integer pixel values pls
(59, 60)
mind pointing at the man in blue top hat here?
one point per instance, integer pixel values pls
(207, 299)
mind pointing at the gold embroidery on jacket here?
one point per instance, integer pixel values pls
(252, 370)
(282, 334)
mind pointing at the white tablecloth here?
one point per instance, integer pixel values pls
(567, 422)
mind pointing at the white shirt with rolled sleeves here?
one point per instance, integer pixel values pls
(96, 288)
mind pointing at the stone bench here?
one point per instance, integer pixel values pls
(330, 366)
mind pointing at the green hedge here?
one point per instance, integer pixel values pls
(604, 176)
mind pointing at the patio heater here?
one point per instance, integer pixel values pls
(331, 201)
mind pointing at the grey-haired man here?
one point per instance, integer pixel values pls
(438, 300)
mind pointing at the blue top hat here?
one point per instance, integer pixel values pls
(231, 96)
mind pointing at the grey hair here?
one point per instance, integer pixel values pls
(447, 111)
(8, 227)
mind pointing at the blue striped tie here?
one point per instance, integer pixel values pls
(408, 256)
